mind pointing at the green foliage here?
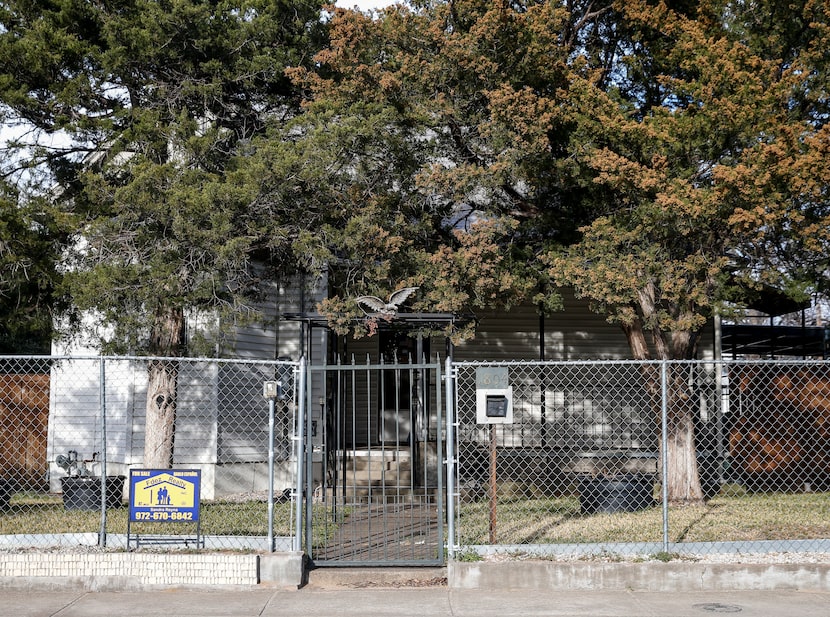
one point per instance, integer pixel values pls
(28, 238)
(659, 158)
(143, 110)
(45, 514)
(467, 556)
(656, 158)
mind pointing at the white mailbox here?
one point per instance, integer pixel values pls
(494, 396)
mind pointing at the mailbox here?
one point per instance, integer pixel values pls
(494, 405)
(270, 389)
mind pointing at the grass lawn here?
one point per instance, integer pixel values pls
(727, 517)
(731, 516)
(45, 514)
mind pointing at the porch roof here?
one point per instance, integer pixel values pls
(774, 340)
(315, 319)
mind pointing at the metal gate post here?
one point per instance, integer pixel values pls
(664, 436)
(450, 406)
(271, 414)
(308, 496)
(299, 449)
(102, 395)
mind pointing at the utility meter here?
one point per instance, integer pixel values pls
(270, 389)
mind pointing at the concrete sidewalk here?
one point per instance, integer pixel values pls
(477, 589)
(437, 601)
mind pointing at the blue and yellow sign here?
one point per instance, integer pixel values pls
(164, 495)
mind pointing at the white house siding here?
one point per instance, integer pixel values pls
(221, 416)
(196, 414)
(76, 422)
(577, 406)
(242, 429)
(574, 333)
(75, 415)
(274, 336)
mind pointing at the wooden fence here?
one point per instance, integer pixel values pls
(24, 419)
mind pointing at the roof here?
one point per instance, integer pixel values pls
(772, 341)
(412, 319)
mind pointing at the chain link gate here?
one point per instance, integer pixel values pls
(374, 491)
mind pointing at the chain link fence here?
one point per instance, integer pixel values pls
(579, 467)
(68, 422)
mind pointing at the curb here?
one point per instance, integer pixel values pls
(657, 576)
(288, 571)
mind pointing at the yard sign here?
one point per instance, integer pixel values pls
(164, 495)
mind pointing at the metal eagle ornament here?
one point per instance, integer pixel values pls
(389, 308)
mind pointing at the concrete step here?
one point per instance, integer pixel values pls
(379, 495)
(377, 465)
(379, 454)
(380, 577)
(367, 477)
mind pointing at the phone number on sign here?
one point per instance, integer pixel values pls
(164, 516)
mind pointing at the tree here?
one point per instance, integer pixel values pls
(428, 194)
(658, 157)
(29, 242)
(141, 112)
(705, 193)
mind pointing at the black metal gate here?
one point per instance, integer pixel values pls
(374, 484)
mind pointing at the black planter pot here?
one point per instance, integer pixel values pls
(85, 493)
(6, 489)
(709, 468)
(623, 493)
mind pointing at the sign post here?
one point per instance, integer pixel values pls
(270, 390)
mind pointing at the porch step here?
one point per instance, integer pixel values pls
(375, 473)
(378, 477)
(378, 495)
(377, 466)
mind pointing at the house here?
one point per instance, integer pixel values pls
(222, 416)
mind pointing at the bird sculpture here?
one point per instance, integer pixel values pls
(390, 307)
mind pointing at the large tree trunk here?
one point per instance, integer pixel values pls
(682, 478)
(167, 339)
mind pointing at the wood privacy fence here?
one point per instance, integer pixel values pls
(24, 422)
